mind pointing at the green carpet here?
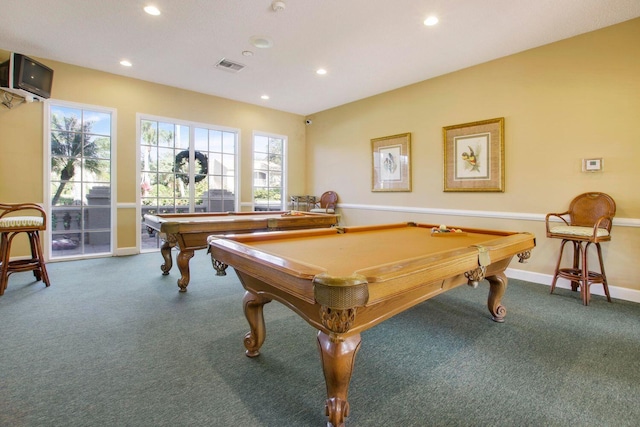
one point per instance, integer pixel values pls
(113, 343)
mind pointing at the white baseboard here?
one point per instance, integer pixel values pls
(126, 251)
(546, 279)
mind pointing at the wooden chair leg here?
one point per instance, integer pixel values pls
(584, 285)
(577, 256)
(555, 275)
(4, 268)
(605, 284)
(39, 253)
(33, 242)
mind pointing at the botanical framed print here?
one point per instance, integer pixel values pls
(474, 156)
(391, 163)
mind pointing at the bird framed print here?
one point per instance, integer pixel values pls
(391, 163)
(474, 156)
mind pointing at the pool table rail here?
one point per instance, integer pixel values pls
(398, 284)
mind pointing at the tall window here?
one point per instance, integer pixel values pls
(80, 154)
(164, 163)
(268, 172)
(185, 167)
(218, 192)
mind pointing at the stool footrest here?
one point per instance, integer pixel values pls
(575, 275)
(24, 265)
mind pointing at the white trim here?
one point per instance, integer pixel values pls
(46, 176)
(126, 251)
(546, 279)
(523, 216)
(176, 121)
(138, 227)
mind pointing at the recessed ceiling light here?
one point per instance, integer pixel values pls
(125, 63)
(431, 21)
(247, 53)
(321, 71)
(152, 10)
(265, 97)
(278, 6)
(261, 42)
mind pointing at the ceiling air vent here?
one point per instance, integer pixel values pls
(225, 64)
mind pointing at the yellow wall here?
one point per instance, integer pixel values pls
(22, 143)
(574, 99)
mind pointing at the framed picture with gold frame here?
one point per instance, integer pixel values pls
(474, 156)
(391, 163)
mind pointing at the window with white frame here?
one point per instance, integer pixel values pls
(81, 141)
(185, 167)
(269, 172)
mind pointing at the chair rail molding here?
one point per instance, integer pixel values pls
(523, 216)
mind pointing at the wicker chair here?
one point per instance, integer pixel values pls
(327, 203)
(19, 218)
(587, 221)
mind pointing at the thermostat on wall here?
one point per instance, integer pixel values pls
(592, 165)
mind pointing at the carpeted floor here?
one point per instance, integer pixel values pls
(113, 343)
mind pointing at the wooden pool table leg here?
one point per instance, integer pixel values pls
(497, 286)
(252, 305)
(183, 265)
(338, 356)
(165, 250)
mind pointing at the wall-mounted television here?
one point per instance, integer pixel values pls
(26, 77)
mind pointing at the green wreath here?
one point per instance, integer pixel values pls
(182, 158)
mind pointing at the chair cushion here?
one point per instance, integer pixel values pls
(319, 210)
(21, 221)
(574, 230)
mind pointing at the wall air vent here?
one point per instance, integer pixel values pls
(225, 64)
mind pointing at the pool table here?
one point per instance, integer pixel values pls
(189, 231)
(345, 280)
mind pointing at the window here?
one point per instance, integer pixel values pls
(185, 167)
(80, 141)
(268, 172)
(218, 193)
(164, 159)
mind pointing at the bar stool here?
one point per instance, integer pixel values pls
(587, 221)
(19, 218)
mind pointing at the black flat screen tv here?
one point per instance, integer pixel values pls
(26, 77)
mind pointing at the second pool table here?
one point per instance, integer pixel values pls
(189, 231)
(345, 280)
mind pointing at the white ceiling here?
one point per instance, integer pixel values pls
(367, 46)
